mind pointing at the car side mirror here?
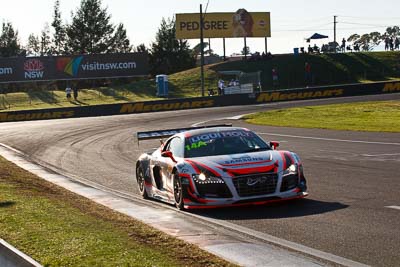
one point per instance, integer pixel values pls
(168, 154)
(274, 144)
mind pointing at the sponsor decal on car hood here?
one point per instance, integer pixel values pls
(240, 164)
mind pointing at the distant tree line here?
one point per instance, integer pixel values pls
(369, 41)
(91, 32)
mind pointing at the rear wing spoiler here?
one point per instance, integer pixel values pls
(159, 134)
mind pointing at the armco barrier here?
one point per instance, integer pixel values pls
(11, 257)
(204, 102)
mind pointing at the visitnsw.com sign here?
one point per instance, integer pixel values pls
(224, 25)
(26, 69)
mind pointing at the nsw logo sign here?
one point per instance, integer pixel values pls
(34, 69)
(69, 65)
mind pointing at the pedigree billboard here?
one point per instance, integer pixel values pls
(224, 25)
(26, 69)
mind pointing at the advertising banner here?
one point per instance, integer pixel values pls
(203, 102)
(28, 69)
(224, 25)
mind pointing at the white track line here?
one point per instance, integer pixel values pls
(298, 136)
(380, 155)
(393, 207)
(332, 139)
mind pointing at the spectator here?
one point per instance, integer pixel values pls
(386, 43)
(343, 47)
(397, 43)
(391, 45)
(75, 90)
(275, 81)
(325, 48)
(316, 48)
(310, 50)
(68, 92)
(221, 86)
(308, 74)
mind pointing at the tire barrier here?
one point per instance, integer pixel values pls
(204, 102)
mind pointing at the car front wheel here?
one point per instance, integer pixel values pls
(178, 192)
(141, 182)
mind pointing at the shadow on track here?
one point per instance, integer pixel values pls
(289, 209)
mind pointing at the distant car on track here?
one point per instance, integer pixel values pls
(209, 167)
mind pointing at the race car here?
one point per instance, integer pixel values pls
(217, 166)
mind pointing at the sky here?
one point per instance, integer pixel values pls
(291, 20)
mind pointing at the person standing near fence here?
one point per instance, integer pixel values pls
(221, 86)
(68, 92)
(308, 74)
(75, 90)
(275, 79)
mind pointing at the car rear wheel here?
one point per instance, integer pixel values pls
(178, 192)
(141, 182)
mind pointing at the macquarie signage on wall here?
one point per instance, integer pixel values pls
(224, 25)
(25, 69)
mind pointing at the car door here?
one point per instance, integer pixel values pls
(174, 145)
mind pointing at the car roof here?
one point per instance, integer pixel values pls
(211, 130)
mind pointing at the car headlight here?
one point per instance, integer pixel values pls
(291, 170)
(204, 179)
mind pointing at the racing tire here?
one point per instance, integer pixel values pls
(141, 182)
(178, 192)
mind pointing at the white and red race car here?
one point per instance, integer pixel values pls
(218, 166)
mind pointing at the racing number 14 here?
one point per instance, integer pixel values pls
(195, 145)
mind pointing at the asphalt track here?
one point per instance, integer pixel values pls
(352, 210)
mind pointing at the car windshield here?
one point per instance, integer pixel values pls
(223, 143)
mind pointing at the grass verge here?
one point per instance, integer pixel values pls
(59, 228)
(380, 116)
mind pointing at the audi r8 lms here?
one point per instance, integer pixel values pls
(222, 166)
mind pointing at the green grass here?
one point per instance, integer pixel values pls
(59, 228)
(328, 69)
(367, 116)
(56, 99)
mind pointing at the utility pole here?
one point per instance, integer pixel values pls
(223, 39)
(201, 51)
(266, 45)
(245, 48)
(334, 30)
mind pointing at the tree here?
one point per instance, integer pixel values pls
(120, 42)
(392, 32)
(196, 51)
(60, 35)
(366, 42)
(169, 55)
(9, 43)
(90, 31)
(141, 48)
(45, 41)
(33, 47)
